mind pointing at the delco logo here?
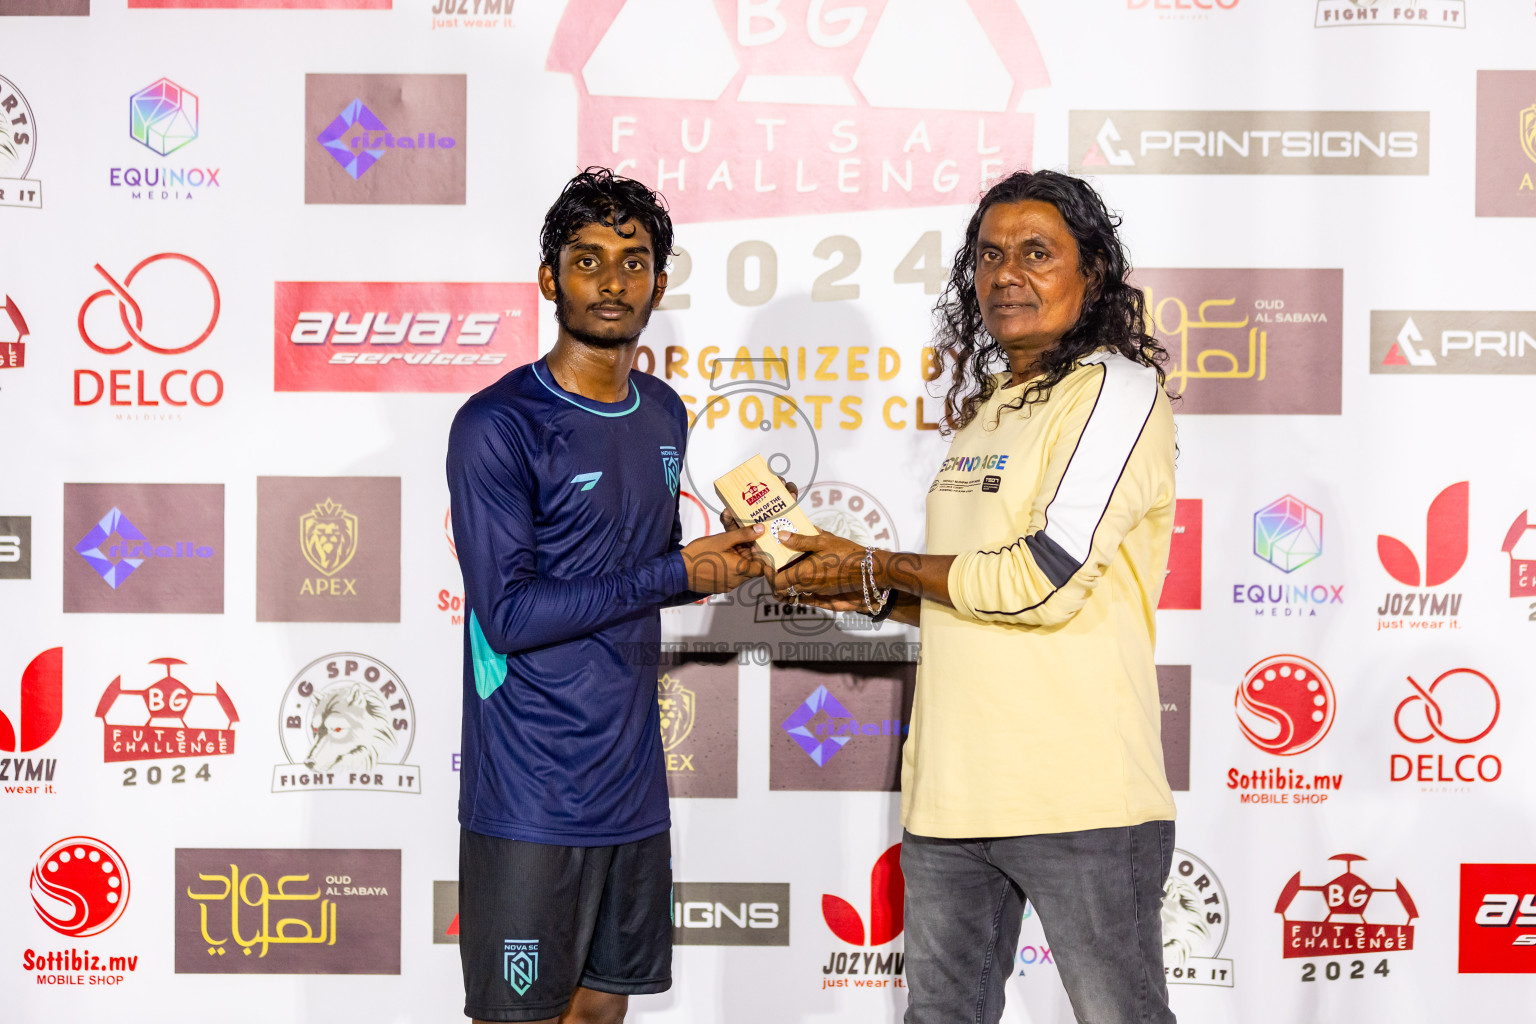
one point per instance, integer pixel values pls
(338, 336)
(805, 107)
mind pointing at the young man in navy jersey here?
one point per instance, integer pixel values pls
(564, 483)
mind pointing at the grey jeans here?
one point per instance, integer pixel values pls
(1099, 896)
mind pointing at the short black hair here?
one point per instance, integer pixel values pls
(598, 196)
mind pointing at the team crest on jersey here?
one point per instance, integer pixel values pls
(672, 465)
(520, 963)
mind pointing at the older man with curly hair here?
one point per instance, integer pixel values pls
(1034, 765)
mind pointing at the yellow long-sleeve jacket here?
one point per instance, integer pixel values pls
(1036, 708)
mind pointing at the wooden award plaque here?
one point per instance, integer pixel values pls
(756, 496)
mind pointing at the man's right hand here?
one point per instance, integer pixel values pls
(722, 562)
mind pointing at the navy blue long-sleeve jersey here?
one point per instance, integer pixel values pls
(565, 521)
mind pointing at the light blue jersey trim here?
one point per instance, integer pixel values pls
(490, 667)
(560, 393)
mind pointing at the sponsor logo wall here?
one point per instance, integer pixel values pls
(271, 267)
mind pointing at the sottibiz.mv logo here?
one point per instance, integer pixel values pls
(376, 336)
(1445, 551)
(1497, 919)
(887, 891)
(794, 107)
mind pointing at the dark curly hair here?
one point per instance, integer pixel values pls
(598, 196)
(1113, 314)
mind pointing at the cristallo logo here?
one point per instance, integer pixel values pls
(385, 138)
(803, 108)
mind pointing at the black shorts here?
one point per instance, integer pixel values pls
(536, 921)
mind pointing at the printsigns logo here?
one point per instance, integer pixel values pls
(327, 549)
(385, 138)
(1195, 924)
(168, 557)
(1461, 706)
(15, 547)
(376, 336)
(520, 963)
(445, 913)
(18, 148)
(167, 719)
(1497, 919)
(13, 336)
(790, 108)
(274, 911)
(1458, 342)
(730, 914)
(1250, 341)
(1424, 13)
(163, 117)
(347, 722)
(1520, 546)
(1285, 705)
(1346, 915)
(677, 709)
(1249, 141)
(1506, 143)
(80, 886)
(1445, 552)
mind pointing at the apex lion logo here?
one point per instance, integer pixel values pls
(1528, 131)
(328, 537)
(351, 729)
(678, 704)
